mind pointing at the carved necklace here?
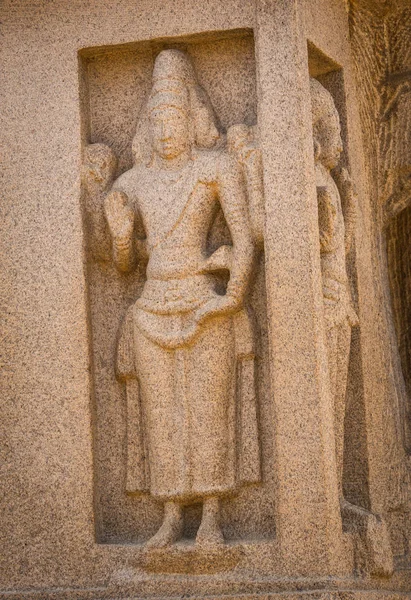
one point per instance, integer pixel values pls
(172, 177)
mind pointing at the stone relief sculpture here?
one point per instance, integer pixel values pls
(98, 173)
(336, 215)
(186, 348)
(335, 242)
(242, 143)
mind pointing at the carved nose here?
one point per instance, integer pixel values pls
(164, 132)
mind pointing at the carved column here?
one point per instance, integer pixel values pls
(308, 514)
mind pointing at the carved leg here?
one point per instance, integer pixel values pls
(343, 356)
(332, 340)
(209, 533)
(171, 529)
(338, 346)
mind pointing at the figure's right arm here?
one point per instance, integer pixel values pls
(120, 220)
(326, 219)
(348, 202)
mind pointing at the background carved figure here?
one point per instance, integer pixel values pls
(97, 175)
(336, 215)
(242, 144)
(186, 346)
(335, 241)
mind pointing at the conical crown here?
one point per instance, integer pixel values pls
(173, 64)
(172, 76)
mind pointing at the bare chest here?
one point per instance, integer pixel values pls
(165, 201)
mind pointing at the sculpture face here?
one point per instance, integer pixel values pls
(99, 170)
(99, 167)
(169, 132)
(328, 135)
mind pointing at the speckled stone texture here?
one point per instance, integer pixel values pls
(76, 508)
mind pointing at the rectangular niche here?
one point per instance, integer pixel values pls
(355, 468)
(115, 82)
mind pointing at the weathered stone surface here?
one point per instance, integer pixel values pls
(205, 300)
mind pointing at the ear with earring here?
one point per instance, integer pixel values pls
(205, 129)
(206, 132)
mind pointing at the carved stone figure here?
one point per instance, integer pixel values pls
(186, 349)
(336, 215)
(97, 175)
(242, 143)
(335, 241)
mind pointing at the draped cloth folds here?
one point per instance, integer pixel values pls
(192, 422)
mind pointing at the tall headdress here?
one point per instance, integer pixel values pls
(322, 103)
(175, 85)
(322, 107)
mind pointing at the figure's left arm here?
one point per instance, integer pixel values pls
(231, 193)
(348, 203)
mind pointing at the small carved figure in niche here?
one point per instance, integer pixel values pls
(97, 175)
(336, 215)
(335, 241)
(185, 352)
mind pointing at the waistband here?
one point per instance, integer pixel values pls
(170, 296)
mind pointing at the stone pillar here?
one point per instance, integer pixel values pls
(308, 515)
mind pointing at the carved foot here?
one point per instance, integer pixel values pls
(372, 531)
(171, 530)
(209, 533)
